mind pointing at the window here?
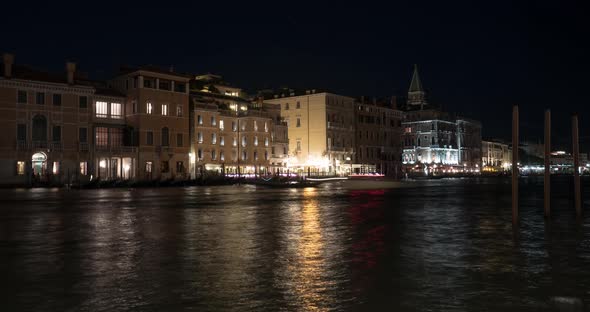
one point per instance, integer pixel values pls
(221, 156)
(235, 142)
(272, 150)
(116, 111)
(213, 121)
(164, 109)
(200, 154)
(149, 139)
(165, 137)
(20, 167)
(149, 108)
(286, 106)
(199, 119)
(234, 126)
(179, 87)
(57, 99)
(222, 141)
(164, 85)
(164, 166)
(56, 133)
(221, 126)
(213, 138)
(55, 167)
(244, 155)
(255, 125)
(39, 132)
(22, 97)
(265, 141)
(40, 97)
(101, 109)
(213, 155)
(244, 141)
(134, 105)
(298, 146)
(255, 155)
(83, 135)
(179, 139)
(244, 124)
(255, 141)
(178, 110)
(298, 105)
(179, 167)
(102, 136)
(83, 168)
(265, 126)
(83, 102)
(21, 132)
(298, 122)
(116, 137)
(149, 167)
(265, 155)
(199, 137)
(147, 83)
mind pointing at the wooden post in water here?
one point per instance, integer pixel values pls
(515, 165)
(576, 152)
(547, 182)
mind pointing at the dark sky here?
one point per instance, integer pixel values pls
(475, 58)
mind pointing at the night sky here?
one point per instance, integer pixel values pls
(476, 59)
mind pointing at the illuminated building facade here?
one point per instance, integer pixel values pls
(230, 134)
(435, 141)
(496, 156)
(157, 120)
(320, 130)
(61, 128)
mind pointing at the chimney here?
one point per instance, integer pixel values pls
(393, 102)
(71, 69)
(8, 61)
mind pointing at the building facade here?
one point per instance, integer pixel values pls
(378, 134)
(320, 130)
(232, 135)
(496, 156)
(435, 141)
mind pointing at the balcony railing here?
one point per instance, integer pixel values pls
(56, 146)
(115, 149)
(83, 147)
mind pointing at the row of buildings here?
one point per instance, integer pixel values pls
(147, 123)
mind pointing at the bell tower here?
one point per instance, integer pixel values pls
(416, 94)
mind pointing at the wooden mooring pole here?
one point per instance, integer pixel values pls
(547, 181)
(576, 152)
(515, 165)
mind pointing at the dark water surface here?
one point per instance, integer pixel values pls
(445, 245)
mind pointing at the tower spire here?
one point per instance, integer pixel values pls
(416, 94)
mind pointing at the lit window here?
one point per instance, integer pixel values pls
(221, 156)
(20, 167)
(164, 109)
(265, 126)
(255, 141)
(199, 119)
(222, 141)
(83, 168)
(101, 109)
(101, 136)
(213, 138)
(234, 126)
(149, 108)
(255, 125)
(213, 155)
(265, 141)
(55, 167)
(213, 122)
(244, 141)
(221, 126)
(149, 166)
(179, 110)
(235, 142)
(200, 137)
(116, 111)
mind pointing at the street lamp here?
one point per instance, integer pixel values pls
(348, 159)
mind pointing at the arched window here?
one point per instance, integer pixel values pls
(165, 137)
(39, 128)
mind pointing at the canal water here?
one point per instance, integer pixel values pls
(443, 245)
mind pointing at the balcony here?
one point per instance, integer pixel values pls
(56, 146)
(115, 149)
(83, 147)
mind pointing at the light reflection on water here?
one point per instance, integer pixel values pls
(436, 245)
